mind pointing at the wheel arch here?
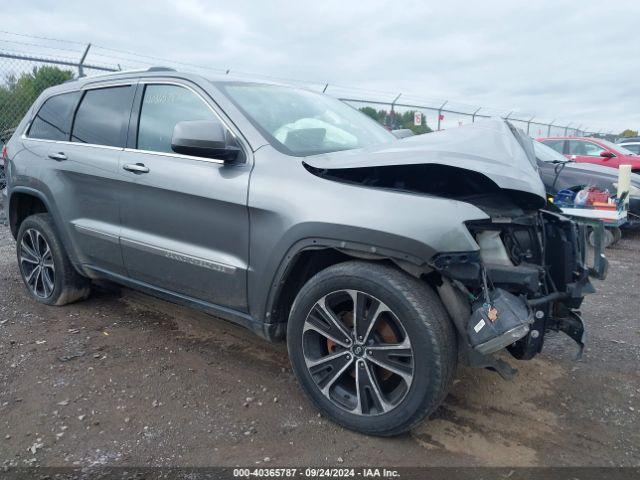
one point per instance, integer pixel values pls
(23, 202)
(312, 255)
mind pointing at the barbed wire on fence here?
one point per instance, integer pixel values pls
(24, 73)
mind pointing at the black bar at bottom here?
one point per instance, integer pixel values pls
(341, 472)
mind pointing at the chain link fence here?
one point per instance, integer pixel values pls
(24, 75)
(23, 78)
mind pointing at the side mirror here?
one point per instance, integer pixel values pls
(607, 155)
(202, 138)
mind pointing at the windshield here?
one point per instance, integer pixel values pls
(299, 122)
(615, 147)
(547, 154)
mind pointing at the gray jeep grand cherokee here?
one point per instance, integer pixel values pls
(383, 262)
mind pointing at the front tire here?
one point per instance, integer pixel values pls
(44, 265)
(372, 347)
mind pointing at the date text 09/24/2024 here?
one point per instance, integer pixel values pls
(315, 472)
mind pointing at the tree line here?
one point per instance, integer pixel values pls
(396, 120)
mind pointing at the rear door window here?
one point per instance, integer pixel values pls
(53, 120)
(103, 116)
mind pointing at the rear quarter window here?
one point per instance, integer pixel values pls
(53, 120)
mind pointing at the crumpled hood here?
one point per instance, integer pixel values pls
(492, 147)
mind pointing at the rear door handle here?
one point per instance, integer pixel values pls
(59, 157)
(136, 167)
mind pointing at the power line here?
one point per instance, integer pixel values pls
(52, 59)
(333, 86)
(136, 58)
(39, 45)
(41, 38)
(157, 59)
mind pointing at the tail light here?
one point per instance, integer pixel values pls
(5, 157)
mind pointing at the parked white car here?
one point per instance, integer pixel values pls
(631, 143)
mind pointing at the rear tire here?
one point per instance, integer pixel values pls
(383, 389)
(44, 264)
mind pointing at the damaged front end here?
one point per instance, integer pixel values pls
(528, 277)
(526, 270)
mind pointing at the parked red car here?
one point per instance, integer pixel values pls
(594, 150)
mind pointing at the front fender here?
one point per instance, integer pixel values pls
(290, 208)
(365, 250)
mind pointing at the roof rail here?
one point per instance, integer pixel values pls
(161, 69)
(124, 72)
(115, 72)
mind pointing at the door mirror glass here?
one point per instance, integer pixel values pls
(204, 138)
(607, 155)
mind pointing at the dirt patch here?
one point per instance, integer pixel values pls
(500, 423)
(124, 379)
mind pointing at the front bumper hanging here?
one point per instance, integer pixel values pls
(520, 303)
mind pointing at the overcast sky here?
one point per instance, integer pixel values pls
(577, 61)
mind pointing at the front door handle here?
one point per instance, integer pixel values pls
(136, 167)
(59, 157)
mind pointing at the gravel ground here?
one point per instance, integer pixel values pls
(125, 379)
